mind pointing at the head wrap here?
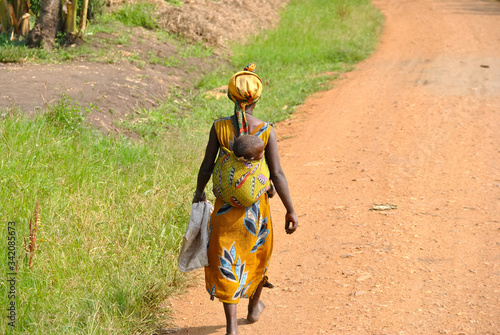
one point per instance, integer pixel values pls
(244, 88)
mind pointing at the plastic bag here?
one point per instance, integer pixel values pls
(193, 253)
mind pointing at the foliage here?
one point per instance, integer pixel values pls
(97, 8)
(35, 7)
(14, 17)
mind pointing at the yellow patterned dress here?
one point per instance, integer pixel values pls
(240, 239)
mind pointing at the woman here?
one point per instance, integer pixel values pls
(240, 239)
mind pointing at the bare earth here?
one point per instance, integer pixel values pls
(417, 126)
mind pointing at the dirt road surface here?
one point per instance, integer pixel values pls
(416, 126)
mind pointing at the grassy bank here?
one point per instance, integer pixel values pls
(113, 211)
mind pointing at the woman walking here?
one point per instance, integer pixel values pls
(241, 238)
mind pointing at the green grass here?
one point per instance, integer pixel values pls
(138, 15)
(113, 210)
(112, 214)
(18, 52)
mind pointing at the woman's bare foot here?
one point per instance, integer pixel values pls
(255, 311)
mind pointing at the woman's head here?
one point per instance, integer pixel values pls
(244, 88)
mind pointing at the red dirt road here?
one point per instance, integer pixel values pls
(417, 126)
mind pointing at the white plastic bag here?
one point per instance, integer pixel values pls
(193, 253)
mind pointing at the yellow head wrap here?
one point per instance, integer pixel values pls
(244, 88)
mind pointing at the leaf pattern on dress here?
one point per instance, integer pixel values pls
(237, 268)
(250, 226)
(263, 233)
(233, 252)
(233, 270)
(250, 220)
(244, 292)
(227, 262)
(209, 234)
(211, 292)
(224, 209)
(227, 274)
(242, 279)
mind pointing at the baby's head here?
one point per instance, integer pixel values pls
(249, 147)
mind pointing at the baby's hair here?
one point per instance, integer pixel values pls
(246, 144)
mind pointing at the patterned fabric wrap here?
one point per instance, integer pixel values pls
(240, 183)
(240, 238)
(244, 88)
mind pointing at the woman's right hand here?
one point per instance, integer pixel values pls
(199, 197)
(291, 222)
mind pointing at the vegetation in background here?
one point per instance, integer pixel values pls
(298, 58)
(112, 211)
(138, 15)
(49, 17)
(15, 16)
(99, 46)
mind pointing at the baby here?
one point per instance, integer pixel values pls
(251, 148)
(248, 147)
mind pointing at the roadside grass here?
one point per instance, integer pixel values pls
(112, 213)
(113, 210)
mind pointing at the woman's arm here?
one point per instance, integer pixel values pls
(280, 183)
(207, 166)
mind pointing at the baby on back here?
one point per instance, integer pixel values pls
(251, 148)
(242, 176)
(248, 147)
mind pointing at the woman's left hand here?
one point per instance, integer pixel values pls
(291, 222)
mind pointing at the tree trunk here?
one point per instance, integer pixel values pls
(70, 24)
(46, 26)
(83, 17)
(5, 16)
